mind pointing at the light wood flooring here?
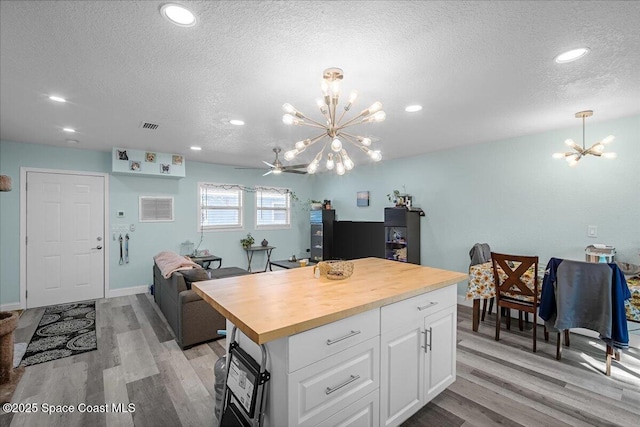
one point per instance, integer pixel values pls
(501, 382)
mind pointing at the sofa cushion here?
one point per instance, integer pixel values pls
(194, 275)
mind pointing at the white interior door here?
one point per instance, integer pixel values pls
(64, 238)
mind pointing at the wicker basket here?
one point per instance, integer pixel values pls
(336, 270)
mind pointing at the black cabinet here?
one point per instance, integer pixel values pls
(358, 239)
(402, 235)
(322, 234)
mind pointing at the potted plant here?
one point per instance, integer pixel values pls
(316, 205)
(248, 241)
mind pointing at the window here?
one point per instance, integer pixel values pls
(220, 207)
(273, 208)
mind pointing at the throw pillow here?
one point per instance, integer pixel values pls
(194, 275)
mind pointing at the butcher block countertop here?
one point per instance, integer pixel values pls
(272, 305)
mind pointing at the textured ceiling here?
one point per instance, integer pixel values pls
(482, 70)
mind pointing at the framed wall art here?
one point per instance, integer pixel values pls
(362, 198)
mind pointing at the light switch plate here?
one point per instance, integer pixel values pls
(592, 231)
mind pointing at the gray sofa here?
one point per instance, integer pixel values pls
(192, 319)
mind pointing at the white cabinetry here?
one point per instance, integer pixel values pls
(418, 345)
(375, 368)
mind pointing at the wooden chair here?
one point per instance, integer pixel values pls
(512, 290)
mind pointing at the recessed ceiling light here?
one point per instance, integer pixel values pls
(72, 141)
(196, 148)
(236, 122)
(70, 130)
(571, 55)
(57, 98)
(178, 15)
(413, 108)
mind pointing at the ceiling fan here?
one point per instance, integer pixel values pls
(276, 167)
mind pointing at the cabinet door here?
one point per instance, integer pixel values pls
(440, 356)
(401, 373)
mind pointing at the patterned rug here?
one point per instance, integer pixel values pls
(63, 331)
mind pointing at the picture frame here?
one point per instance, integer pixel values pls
(150, 157)
(135, 166)
(165, 168)
(362, 199)
(122, 155)
(176, 160)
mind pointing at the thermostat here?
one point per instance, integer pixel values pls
(120, 214)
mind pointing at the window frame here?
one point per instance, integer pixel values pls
(274, 190)
(240, 208)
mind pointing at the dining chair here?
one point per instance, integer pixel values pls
(516, 282)
(479, 254)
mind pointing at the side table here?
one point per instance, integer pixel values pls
(250, 251)
(206, 260)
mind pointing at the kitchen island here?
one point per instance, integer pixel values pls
(371, 349)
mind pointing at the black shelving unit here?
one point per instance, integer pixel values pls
(322, 234)
(402, 235)
(358, 239)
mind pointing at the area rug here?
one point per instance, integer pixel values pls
(64, 330)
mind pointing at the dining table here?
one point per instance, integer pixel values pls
(481, 286)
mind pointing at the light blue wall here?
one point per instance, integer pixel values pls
(510, 194)
(148, 238)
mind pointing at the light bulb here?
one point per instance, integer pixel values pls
(277, 171)
(366, 141)
(335, 88)
(558, 155)
(300, 145)
(375, 107)
(325, 87)
(288, 119)
(598, 148)
(609, 155)
(569, 142)
(340, 169)
(57, 98)
(573, 162)
(289, 108)
(570, 158)
(608, 139)
(379, 116)
(375, 155)
(312, 168)
(290, 155)
(352, 96)
(330, 163)
(336, 145)
(348, 164)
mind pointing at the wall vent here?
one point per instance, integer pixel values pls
(156, 209)
(149, 125)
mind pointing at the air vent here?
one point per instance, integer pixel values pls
(149, 125)
(156, 209)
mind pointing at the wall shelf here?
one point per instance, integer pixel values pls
(125, 161)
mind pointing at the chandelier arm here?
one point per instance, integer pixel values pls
(350, 122)
(349, 137)
(316, 139)
(317, 123)
(313, 125)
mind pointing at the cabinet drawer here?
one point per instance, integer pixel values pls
(332, 384)
(316, 344)
(364, 413)
(415, 308)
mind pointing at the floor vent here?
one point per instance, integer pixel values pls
(149, 125)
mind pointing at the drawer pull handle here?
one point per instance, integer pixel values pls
(349, 335)
(351, 379)
(431, 304)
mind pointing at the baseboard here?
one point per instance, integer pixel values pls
(462, 300)
(10, 307)
(112, 293)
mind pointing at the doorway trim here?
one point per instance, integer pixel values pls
(23, 226)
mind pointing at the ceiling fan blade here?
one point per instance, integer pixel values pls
(268, 164)
(265, 174)
(296, 166)
(294, 171)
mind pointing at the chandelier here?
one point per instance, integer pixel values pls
(333, 128)
(597, 149)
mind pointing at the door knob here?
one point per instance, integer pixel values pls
(97, 247)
